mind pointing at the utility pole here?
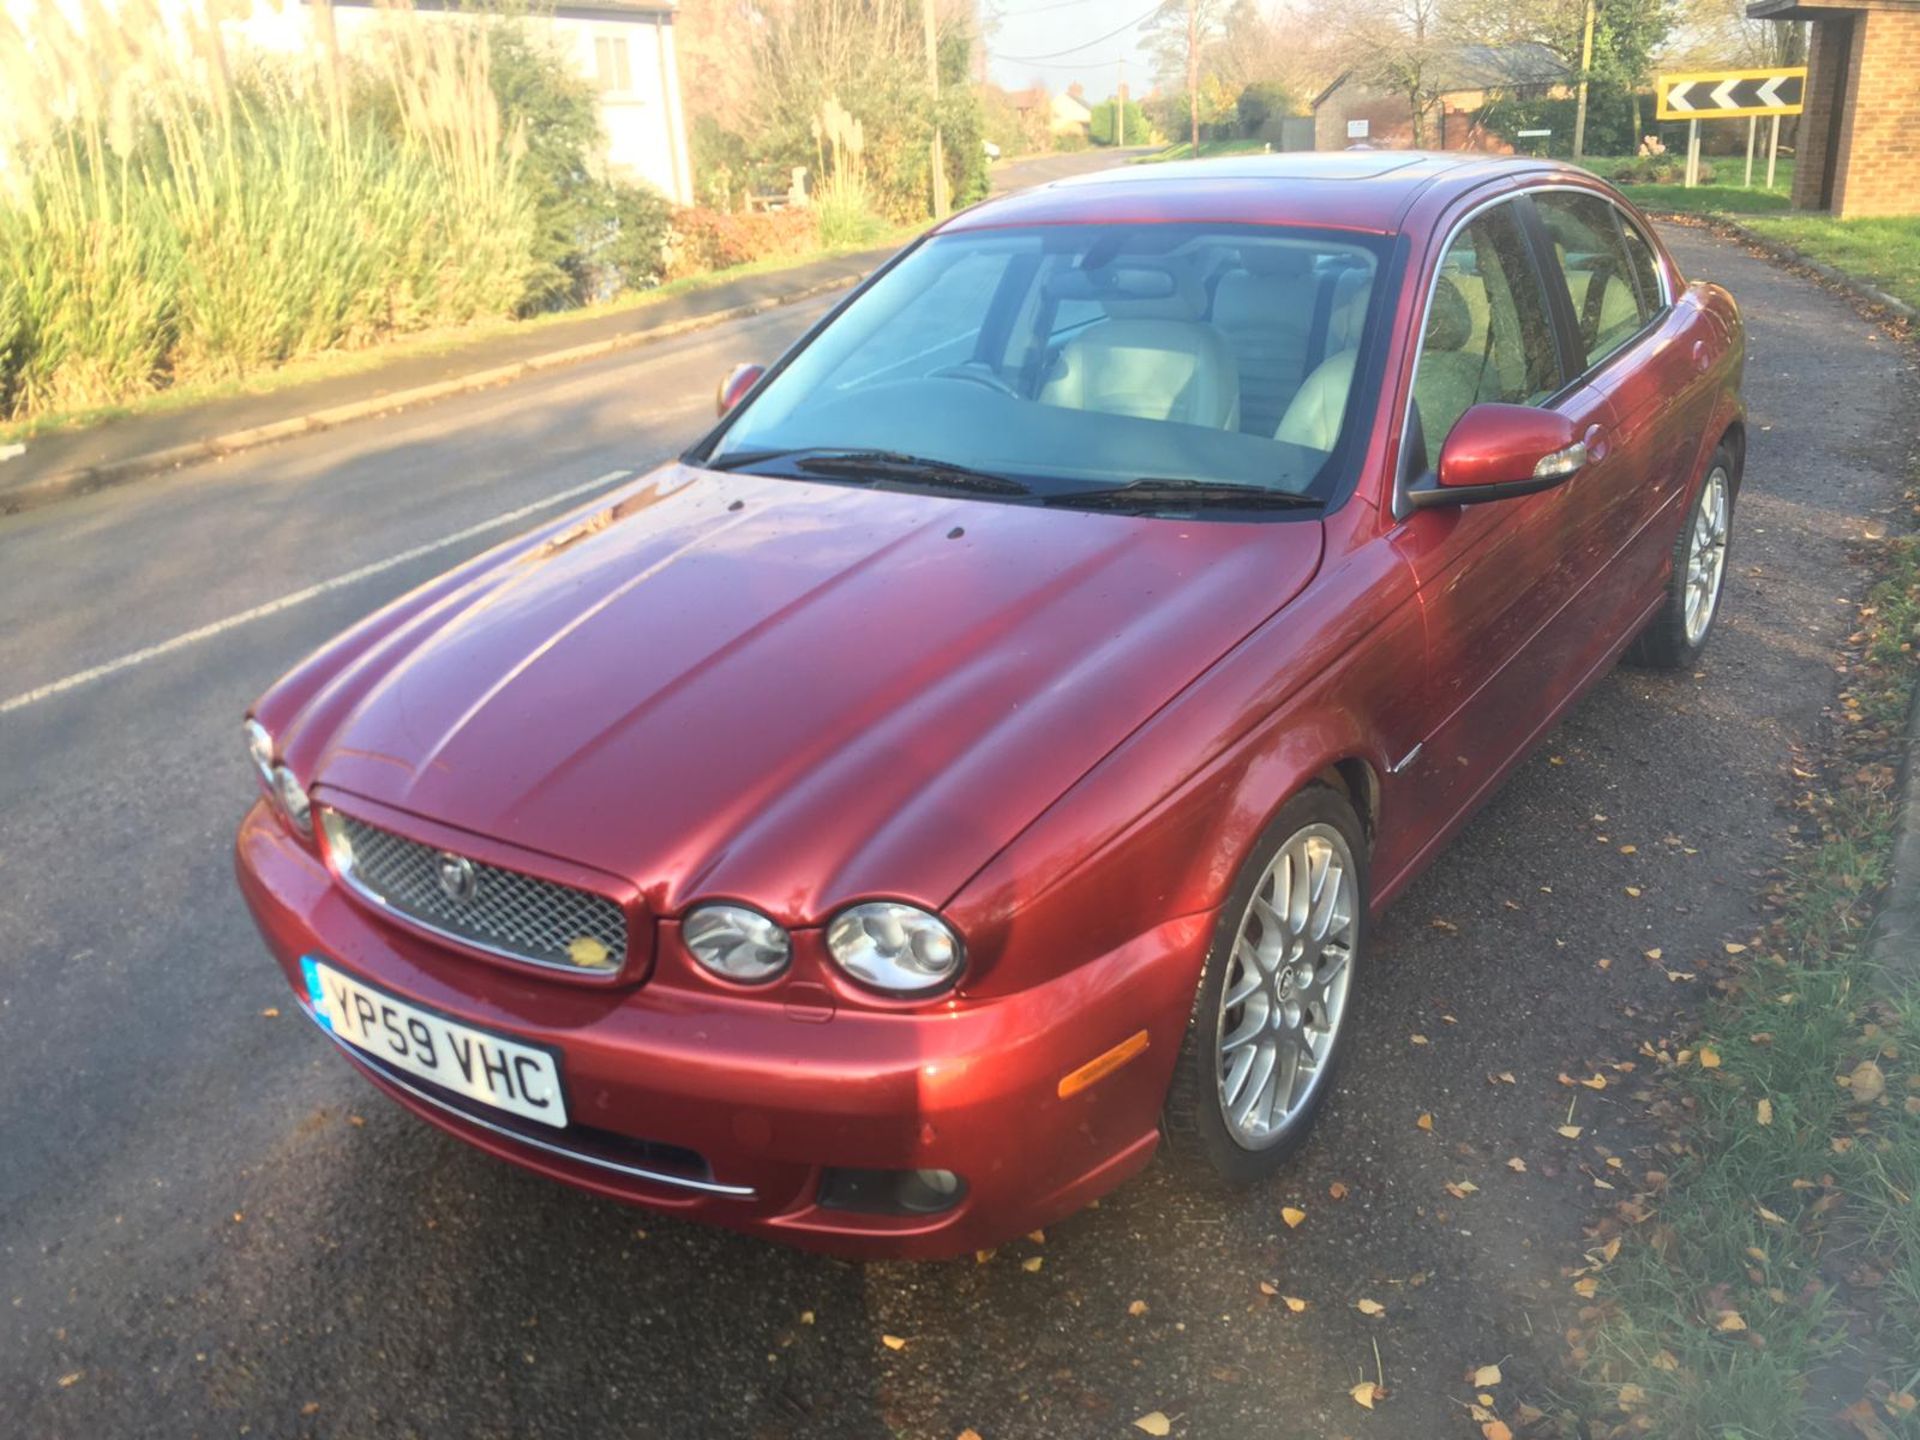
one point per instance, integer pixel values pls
(942, 201)
(1580, 107)
(1120, 107)
(1193, 71)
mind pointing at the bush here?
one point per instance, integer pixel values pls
(1659, 170)
(1071, 141)
(704, 239)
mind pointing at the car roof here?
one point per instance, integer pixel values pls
(1368, 190)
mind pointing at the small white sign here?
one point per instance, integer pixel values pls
(1356, 129)
(1534, 134)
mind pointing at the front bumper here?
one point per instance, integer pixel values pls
(729, 1109)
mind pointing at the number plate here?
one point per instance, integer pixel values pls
(506, 1074)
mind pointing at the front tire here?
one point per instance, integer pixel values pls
(1676, 635)
(1276, 995)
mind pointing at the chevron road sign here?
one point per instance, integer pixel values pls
(1730, 94)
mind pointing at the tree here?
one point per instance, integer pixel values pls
(1394, 45)
(1178, 33)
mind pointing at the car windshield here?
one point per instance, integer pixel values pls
(1215, 363)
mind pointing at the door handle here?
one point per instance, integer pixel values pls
(1596, 443)
(1702, 357)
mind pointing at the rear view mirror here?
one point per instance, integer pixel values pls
(1497, 451)
(734, 388)
(1110, 282)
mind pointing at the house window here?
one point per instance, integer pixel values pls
(610, 66)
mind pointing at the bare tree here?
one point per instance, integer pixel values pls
(1393, 45)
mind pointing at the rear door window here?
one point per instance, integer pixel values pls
(1607, 266)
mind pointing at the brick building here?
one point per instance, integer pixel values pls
(1858, 151)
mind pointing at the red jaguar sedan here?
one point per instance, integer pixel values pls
(977, 761)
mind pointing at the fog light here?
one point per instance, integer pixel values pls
(891, 1192)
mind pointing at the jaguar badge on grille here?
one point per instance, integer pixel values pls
(457, 879)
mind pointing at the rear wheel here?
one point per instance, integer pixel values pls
(1675, 637)
(1275, 996)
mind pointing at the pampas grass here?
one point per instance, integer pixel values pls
(170, 210)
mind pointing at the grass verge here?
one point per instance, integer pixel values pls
(332, 364)
(1884, 253)
(1769, 1289)
(1183, 150)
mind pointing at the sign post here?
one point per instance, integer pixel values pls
(1732, 95)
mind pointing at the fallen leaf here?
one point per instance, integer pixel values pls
(1768, 1216)
(1293, 1303)
(1364, 1394)
(1867, 1082)
(1337, 1190)
(1654, 954)
(1486, 1375)
(1572, 1132)
(1462, 1190)
(1039, 1237)
(1629, 849)
(1633, 891)
(1631, 1395)
(67, 1381)
(1595, 1082)
(272, 1012)
(893, 1342)
(1505, 1077)
(981, 1257)
(1369, 1307)
(1293, 1217)
(1032, 1263)
(1138, 1307)
(1665, 1360)
(1267, 1287)
(1734, 948)
(1517, 1165)
(1425, 1122)
(1677, 976)
(1586, 1287)
(1729, 1321)
(1154, 1423)
(1709, 1058)
(1763, 1112)
(806, 1317)
(1418, 1039)
(968, 1434)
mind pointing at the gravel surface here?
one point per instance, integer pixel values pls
(209, 1226)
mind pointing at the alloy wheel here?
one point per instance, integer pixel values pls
(1286, 988)
(1707, 555)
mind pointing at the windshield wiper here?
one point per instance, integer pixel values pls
(1155, 493)
(879, 465)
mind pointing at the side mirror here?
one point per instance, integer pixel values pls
(733, 389)
(1498, 451)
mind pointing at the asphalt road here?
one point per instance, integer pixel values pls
(210, 1226)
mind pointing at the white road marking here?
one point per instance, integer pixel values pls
(301, 597)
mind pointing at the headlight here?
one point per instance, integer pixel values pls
(894, 947)
(293, 800)
(260, 747)
(737, 944)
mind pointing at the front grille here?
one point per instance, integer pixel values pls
(504, 911)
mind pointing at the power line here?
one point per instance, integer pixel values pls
(1085, 44)
(1040, 9)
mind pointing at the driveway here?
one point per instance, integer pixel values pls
(208, 1225)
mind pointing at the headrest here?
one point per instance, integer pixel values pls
(1449, 321)
(1282, 260)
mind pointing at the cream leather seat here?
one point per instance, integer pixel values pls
(1265, 311)
(1313, 416)
(1454, 372)
(1152, 360)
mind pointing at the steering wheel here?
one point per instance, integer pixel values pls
(978, 374)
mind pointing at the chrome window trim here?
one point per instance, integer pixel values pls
(655, 1177)
(1401, 510)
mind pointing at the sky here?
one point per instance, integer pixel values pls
(1071, 33)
